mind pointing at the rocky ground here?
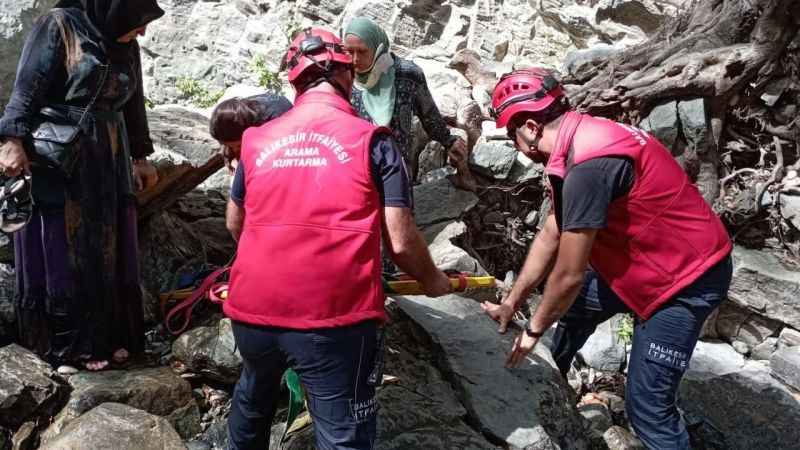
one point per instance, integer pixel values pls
(447, 388)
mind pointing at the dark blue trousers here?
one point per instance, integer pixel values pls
(333, 365)
(662, 347)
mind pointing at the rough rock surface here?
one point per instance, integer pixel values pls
(735, 322)
(518, 32)
(789, 338)
(439, 202)
(157, 391)
(186, 156)
(663, 123)
(117, 426)
(16, 19)
(210, 351)
(448, 256)
(736, 397)
(474, 355)
(8, 316)
(618, 438)
(785, 366)
(604, 350)
(29, 387)
(189, 234)
(761, 284)
(493, 159)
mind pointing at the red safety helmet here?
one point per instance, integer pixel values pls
(314, 47)
(531, 90)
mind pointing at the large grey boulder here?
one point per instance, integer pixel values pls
(604, 350)
(714, 358)
(789, 338)
(694, 124)
(763, 285)
(473, 354)
(734, 322)
(158, 391)
(790, 208)
(210, 351)
(764, 350)
(29, 387)
(785, 365)
(448, 256)
(494, 158)
(431, 418)
(119, 427)
(439, 202)
(736, 397)
(16, 19)
(663, 123)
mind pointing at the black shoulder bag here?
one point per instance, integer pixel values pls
(54, 139)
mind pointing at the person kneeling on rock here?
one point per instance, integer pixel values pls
(624, 208)
(319, 187)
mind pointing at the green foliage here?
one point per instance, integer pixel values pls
(266, 78)
(148, 103)
(196, 93)
(625, 330)
(291, 28)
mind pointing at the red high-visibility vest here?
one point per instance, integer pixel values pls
(662, 235)
(309, 254)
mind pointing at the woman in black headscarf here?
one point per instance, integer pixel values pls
(79, 296)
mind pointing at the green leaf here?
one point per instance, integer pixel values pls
(296, 399)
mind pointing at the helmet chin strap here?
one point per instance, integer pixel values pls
(327, 76)
(537, 139)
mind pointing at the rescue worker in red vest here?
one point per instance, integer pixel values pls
(626, 210)
(313, 193)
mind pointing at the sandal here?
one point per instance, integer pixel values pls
(16, 203)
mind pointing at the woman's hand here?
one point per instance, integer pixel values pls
(13, 160)
(457, 154)
(145, 174)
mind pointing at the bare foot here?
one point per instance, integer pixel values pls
(120, 356)
(94, 366)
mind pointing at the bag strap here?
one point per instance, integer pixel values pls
(91, 103)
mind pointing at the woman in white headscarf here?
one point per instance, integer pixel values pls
(391, 90)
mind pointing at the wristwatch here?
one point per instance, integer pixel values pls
(530, 332)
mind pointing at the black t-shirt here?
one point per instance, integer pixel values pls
(589, 189)
(388, 172)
